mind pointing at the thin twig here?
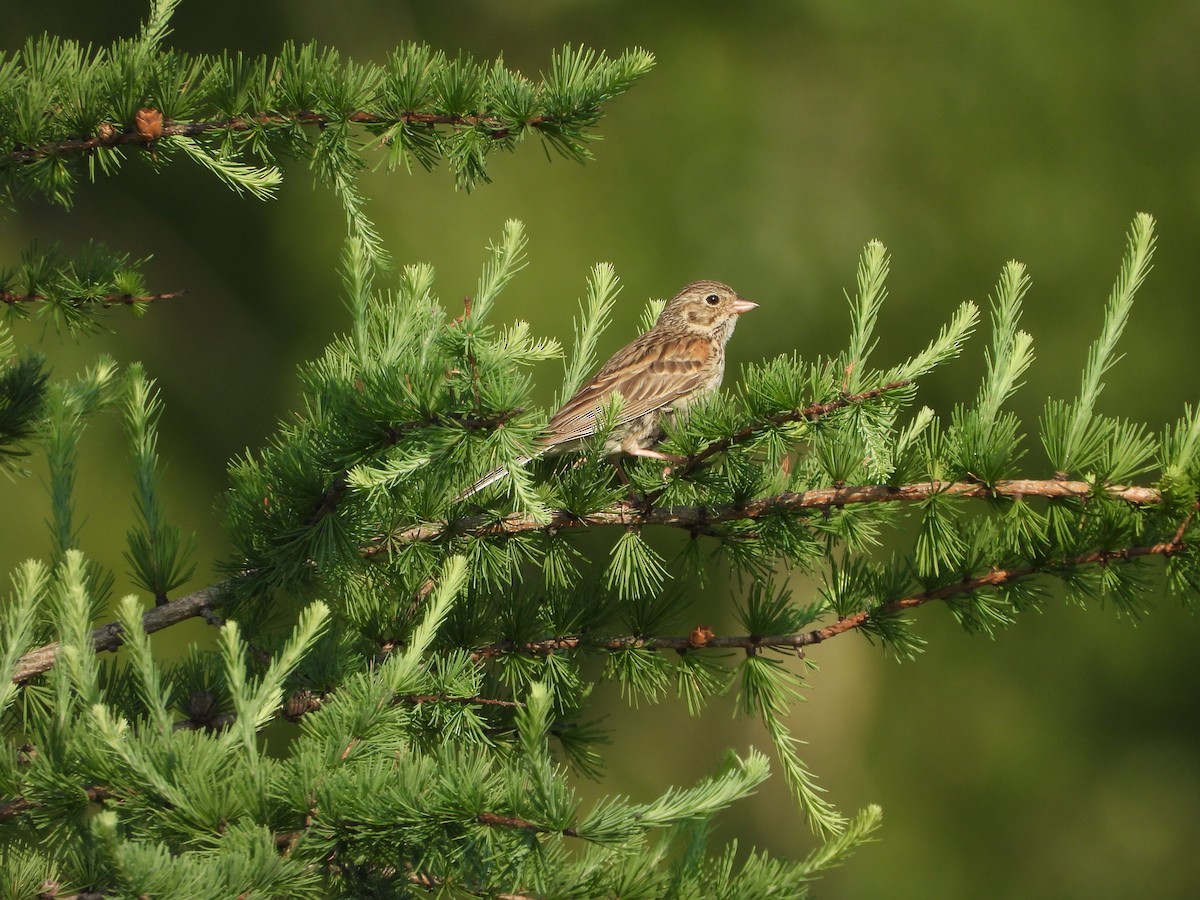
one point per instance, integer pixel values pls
(12, 298)
(11, 808)
(303, 702)
(753, 643)
(418, 699)
(491, 126)
(340, 483)
(810, 413)
(492, 819)
(995, 578)
(635, 515)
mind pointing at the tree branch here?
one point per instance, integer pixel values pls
(303, 702)
(498, 821)
(492, 127)
(109, 637)
(12, 298)
(630, 515)
(434, 883)
(286, 840)
(11, 808)
(703, 638)
(112, 635)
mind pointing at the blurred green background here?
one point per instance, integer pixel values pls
(772, 141)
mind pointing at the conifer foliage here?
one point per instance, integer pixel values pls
(423, 663)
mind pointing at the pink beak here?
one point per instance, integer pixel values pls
(742, 305)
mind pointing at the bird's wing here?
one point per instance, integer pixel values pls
(651, 373)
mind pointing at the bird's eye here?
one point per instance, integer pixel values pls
(712, 299)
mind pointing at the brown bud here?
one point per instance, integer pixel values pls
(700, 636)
(149, 124)
(106, 131)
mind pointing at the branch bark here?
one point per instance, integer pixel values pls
(112, 635)
(630, 515)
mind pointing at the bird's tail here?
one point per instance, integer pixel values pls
(489, 479)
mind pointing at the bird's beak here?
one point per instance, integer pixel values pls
(742, 305)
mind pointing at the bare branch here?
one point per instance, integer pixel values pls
(111, 636)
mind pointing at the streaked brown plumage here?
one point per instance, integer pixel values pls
(680, 359)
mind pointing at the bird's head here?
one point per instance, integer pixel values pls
(705, 307)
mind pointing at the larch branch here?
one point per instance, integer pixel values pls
(494, 127)
(112, 635)
(13, 298)
(631, 515)
(704, 639)
(109, 637)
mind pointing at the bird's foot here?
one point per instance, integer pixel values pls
(655, 454)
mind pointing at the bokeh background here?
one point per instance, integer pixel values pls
(772, 141)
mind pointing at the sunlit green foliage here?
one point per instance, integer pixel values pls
(69, 111)
(400, 700)
(448, 653)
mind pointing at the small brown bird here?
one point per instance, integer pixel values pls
(680, 359)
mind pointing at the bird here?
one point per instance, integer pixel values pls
(678, 361)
